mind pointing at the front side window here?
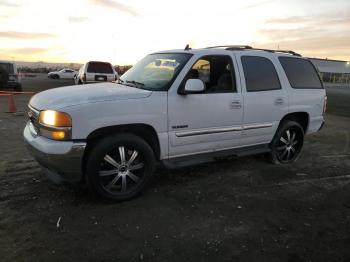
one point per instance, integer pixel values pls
(216, 72)
(156, 71)
(260, 74)
(300, 73)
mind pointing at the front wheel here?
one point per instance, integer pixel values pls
(119, 167)
(287, 143)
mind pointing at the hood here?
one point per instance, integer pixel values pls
(61, 97)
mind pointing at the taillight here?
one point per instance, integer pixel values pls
(324, 104)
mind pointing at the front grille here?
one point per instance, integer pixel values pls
(33, 116)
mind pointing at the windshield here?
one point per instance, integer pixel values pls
(155, 72)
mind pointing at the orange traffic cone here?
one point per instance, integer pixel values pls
(12, 104)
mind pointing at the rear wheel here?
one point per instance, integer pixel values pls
(287, 143)
(119, 167)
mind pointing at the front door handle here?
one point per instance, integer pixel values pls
(236, 104)
(279, 101)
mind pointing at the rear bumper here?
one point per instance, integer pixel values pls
(61, 160)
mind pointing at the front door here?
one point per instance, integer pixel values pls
(209, 121)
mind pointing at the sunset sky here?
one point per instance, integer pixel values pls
(122, 32)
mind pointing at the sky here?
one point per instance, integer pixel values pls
(122, 32)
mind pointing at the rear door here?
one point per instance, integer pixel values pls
(265, 101)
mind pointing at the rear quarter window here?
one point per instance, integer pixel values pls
(100, 67)
(301, 73)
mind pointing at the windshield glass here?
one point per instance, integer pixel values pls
(156, 71)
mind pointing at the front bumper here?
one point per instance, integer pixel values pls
(62, 160)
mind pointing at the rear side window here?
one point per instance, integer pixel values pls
(8, 67)
(260, 74)
(301, 73)
(100, 67)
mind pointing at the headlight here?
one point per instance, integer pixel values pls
(54, 118)
(55, 125)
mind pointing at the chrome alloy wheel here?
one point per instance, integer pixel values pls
(121, 170)
(289, 145)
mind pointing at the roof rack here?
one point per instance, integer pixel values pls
(232, 47)
(247, 47)
(278, 51)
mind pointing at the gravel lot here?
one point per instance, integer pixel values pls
(236, 210)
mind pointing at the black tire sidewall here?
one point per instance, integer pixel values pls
(285, 125)
(105, 145)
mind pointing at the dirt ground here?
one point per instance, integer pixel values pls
(236, 210)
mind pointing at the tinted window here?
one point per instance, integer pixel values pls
(260, 74)
(7, 67)
(100, 67)
(216, 72)
(300, 72)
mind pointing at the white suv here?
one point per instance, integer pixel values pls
(95, 71)
(178, 107)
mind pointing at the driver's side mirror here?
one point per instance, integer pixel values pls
(193, 86)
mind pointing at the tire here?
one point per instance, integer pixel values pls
(287, 143)
(18, 88)
(55, 77)
(109, 176)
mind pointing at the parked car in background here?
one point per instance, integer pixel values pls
(9, 77)
(95, 71)
(64, 73)
(178, 107)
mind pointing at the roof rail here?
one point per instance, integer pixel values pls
(232, 47)
(247, 47)
(278, 51)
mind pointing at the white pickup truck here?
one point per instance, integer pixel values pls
(179, 108)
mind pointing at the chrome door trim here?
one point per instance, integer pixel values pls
(256, 126)
(221, 130)
(207, 131)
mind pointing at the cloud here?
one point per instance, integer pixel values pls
(321, 36)
(8, 3)
(257, 4)
(117, 5)
(29, 51)
(324, 20)
(77, 19)
(24, 35)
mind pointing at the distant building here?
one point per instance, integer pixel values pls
(333, 72)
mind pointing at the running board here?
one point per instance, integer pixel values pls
(191, 160)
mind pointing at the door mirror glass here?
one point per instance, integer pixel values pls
(194, 86)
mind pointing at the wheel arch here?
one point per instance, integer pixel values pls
(302, 118)
(144, 131)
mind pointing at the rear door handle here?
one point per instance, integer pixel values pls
(236, 104)
(279, 101)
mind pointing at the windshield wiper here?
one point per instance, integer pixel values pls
(132, 82)
(135, 82)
